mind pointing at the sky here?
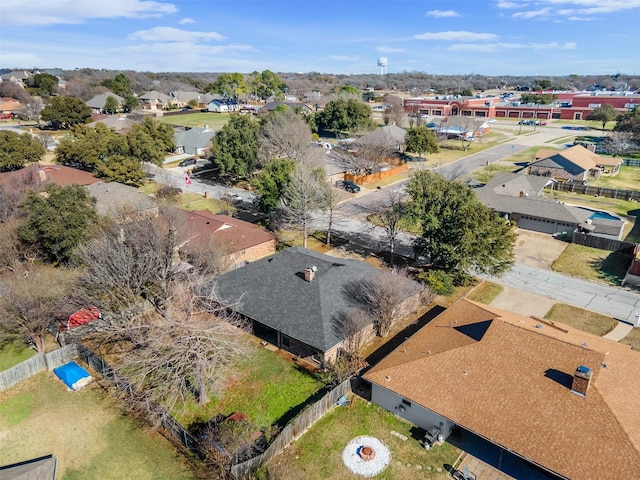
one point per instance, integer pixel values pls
(487, 37)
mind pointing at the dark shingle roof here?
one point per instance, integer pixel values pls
(273, 291)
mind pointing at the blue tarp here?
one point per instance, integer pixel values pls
(73, 375)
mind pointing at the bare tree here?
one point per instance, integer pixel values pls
(351, 327)
(620, 143)
(187, 350)
(302, 197)
(461, 128)
(31, 300)
(31, 111)
(14, 192)
(382, 297)
(365, 153)
(394, 113)
(285, 134)
(389, 213)
(331, 198)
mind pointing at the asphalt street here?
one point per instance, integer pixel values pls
(617, 302)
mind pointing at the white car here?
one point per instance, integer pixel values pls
(491, 120)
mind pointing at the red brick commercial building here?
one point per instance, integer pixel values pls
(567, 106)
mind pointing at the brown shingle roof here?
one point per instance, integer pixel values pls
(499, 375)
(578, 155)
(234, 234)
(58, 174)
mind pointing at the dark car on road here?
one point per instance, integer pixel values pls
(350, 187)
(188, 162)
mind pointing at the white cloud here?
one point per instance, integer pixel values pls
(456, 36)
(344, 58)
(574, 9)
(502, 46)
(46, 12)
(510, 5)
(442, 13)
(171, 34)
(389, 50)
(184, 21)
(543, 12)
(582, 19)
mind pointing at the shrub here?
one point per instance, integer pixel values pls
(439, 281)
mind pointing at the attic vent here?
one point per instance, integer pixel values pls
(581, 380)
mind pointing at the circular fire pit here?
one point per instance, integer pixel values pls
(367, 453)
(366, 456)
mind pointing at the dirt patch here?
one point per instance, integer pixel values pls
(538, 250)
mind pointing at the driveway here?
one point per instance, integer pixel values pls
(538, 250)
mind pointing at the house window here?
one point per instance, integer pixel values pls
(406, 403)
(577, 116)
(285, 341)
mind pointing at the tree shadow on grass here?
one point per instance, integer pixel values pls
(613, 268)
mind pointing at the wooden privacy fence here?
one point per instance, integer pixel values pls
(374, 177)
(609, 244)
(37, 364)
(596, 191)
(293, 431)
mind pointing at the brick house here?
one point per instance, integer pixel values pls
(557, 398)
(575, 164)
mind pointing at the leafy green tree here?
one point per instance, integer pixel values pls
(267, 84)
(16, 150)
(350, 89)
(603, 114)
(143, 147)
(537, 98)
(271, 182)
(87, 147)
(345, 115)
(111, 105)
(230, 85)
(64, 112)
(458, 233)
(120, 85)
(130, 103)
(421, 140)
(466, 93)
(235, 147)
(121, 169)
(58, 221)
(630, 122)
(44, 84)
(161, 133)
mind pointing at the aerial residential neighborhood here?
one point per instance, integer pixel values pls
(233, 251)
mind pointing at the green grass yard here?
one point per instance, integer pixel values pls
(592, 264)
(266, 388)
(585, 320)
(215, 121)
(85, 430)
(14, 353)
(318, 453)
(485, 292)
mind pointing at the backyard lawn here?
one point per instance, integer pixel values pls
(584, 320)
(318, 454)
(593, 264)
(267, 388)
(85, 430)
(215, 121)
(628, 178)
(14, 353)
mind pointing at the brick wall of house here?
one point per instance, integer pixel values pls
(251, 254)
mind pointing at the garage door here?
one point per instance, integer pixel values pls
(536, 224)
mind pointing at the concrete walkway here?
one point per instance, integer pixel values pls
(619, 332)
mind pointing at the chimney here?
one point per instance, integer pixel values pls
(43, 175)
(581, 380)
(310, 273)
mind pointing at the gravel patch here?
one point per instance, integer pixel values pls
(366, 468)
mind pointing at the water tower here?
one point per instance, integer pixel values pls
(382, 65)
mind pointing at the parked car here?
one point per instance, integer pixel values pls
(232, 198)
(188, 162)
(350, 187)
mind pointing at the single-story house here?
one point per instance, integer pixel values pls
(223, 105)
(16, 76)
(387, 135)
(295, 298)
(241, 242)
(155, 100)
(98, 102)
(561, 399)
(181, 99)
(574, 164)
(194, 141)
(119, 123)
(519, 199)
(10, 106)
(58, 174)
(270, 106)
(113, 199)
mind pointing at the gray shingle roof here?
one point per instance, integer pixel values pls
(99, 100)
(273, 291)
(193, 139)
